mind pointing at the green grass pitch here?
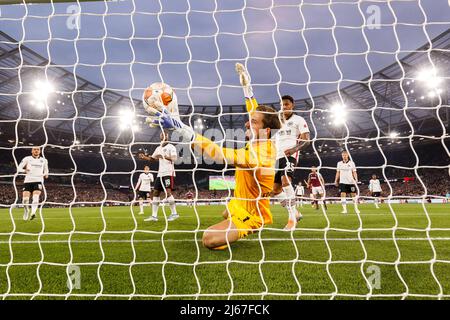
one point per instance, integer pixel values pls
(124, 257)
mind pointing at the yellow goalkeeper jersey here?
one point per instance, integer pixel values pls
(250, 206)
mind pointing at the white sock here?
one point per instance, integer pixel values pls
(355, 203)
(344, 204)
(290, 195)
(141, 206)
(155, 206)
(26, 203)
(35, 203)
(292, 213)
(376, 202)
(172, 206)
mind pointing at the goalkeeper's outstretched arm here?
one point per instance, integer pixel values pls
(235, 157)
(245, 80)
(264, 120)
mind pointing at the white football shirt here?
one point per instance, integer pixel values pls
(37, 169)
(145, 181)
(346, 170)
(300, 191)
(287, 136)
(375, 185)
(166, 167)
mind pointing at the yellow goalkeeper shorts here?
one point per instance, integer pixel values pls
(246, 222)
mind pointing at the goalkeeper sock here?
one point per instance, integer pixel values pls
(141, 205)
(172, 206)
(35, 203)
(155, 206)
(344, 204)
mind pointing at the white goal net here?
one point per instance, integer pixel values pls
(368, 77)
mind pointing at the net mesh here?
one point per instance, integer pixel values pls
(92, 62)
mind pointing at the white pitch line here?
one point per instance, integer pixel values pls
(263, 240)
(308, 217)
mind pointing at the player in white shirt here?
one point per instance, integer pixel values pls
(166, 154)
(35, 168)
(346, 179)
(300, 193)
(375, 189)
(290, 139)
(144, 186)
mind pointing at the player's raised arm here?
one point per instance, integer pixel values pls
(245, 80)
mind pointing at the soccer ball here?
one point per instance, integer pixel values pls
(160, 95)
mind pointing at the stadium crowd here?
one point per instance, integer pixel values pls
(92, 186)
(93, 194)
(64, 194)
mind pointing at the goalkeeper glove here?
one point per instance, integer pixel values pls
(166, 120)
(245, 80)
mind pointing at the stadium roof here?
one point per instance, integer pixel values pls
(392, 99)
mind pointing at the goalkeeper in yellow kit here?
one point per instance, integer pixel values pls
(249, 209)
